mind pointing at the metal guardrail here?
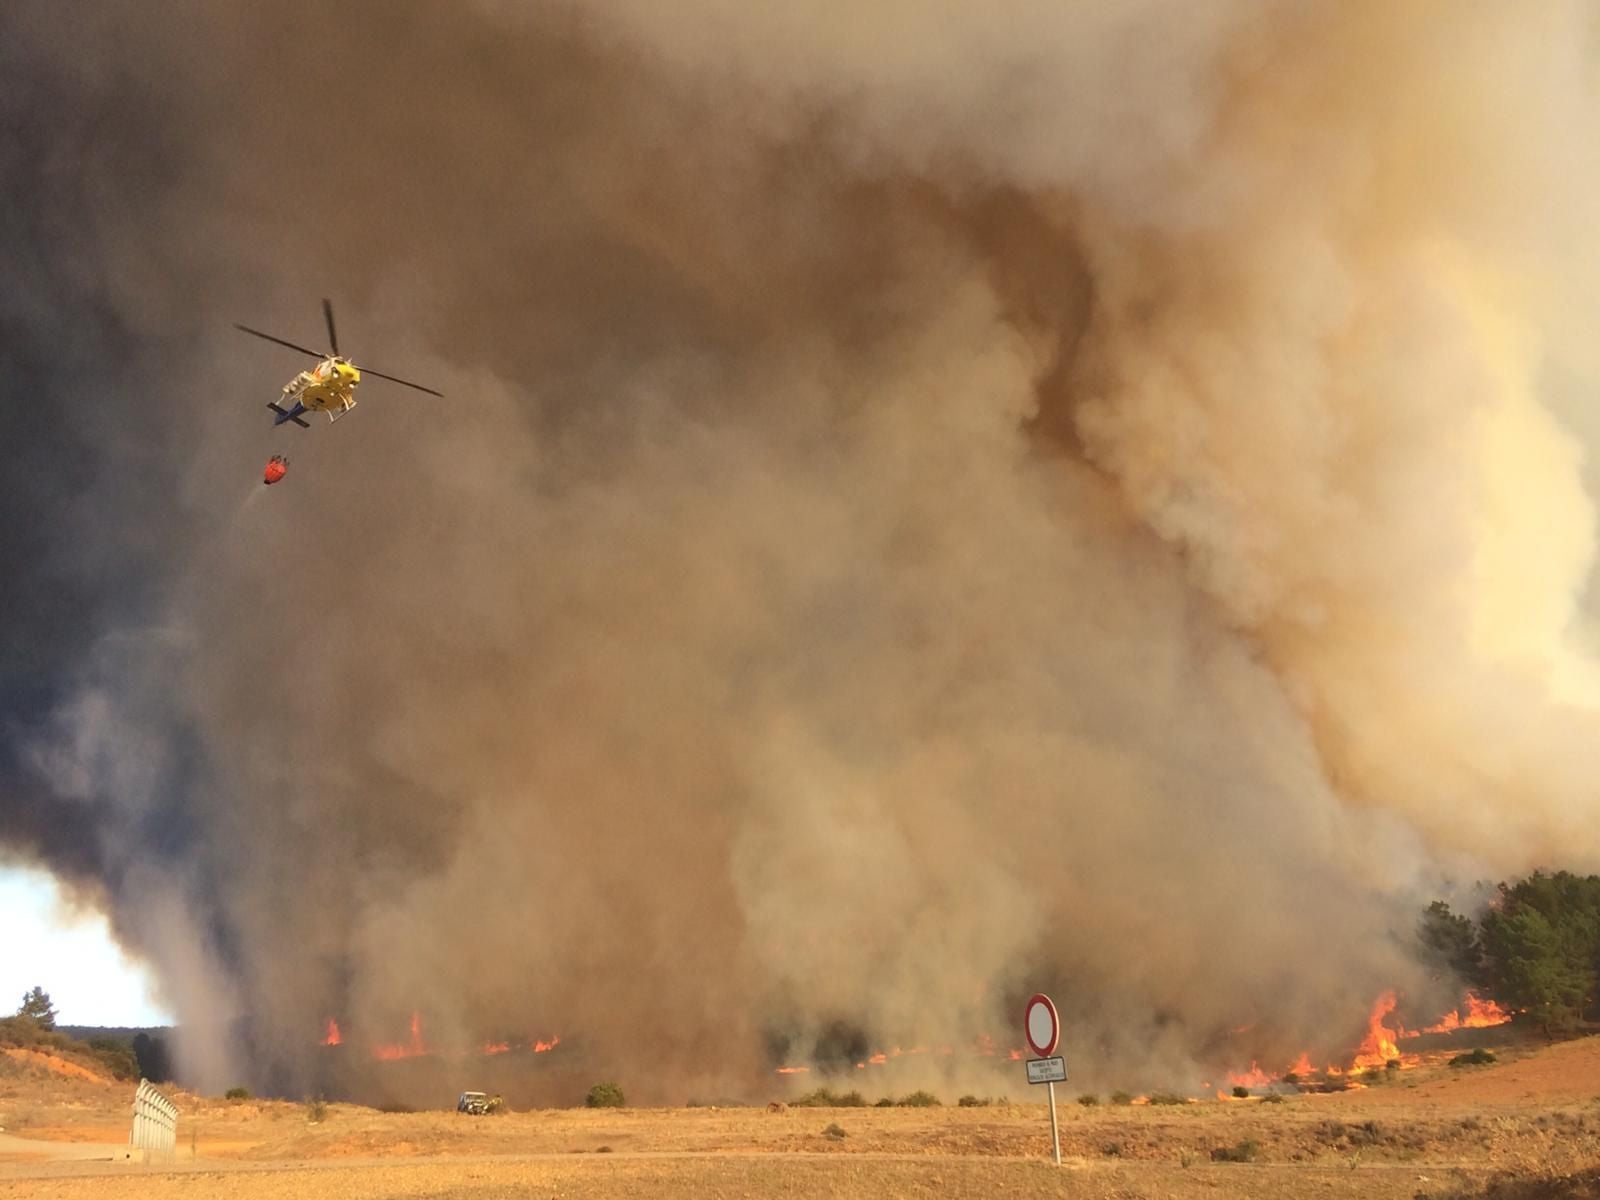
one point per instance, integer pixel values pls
(155, 1124)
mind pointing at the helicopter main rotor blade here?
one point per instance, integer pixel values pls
(397, 379)
(279, 340)
(333, 338)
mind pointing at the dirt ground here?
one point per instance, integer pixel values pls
(1435, 1132)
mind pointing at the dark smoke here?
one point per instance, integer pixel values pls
(926, 507)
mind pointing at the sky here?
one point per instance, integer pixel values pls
(71, 956)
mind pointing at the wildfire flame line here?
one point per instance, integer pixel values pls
(1378, 1048)
(983, 1046)
(417, 1046)
(1381, 1045)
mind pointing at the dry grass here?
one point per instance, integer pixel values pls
(1438, 1134)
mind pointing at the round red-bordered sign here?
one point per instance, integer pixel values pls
(1042, 1025)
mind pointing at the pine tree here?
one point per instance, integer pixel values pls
(1540, 944)
(1450, 943)
(36, 1004)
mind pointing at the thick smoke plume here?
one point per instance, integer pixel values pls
(930, 504)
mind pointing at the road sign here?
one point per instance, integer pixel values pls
(1047, 1070)
(1042, 1025)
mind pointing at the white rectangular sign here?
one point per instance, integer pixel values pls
(1047, 1070)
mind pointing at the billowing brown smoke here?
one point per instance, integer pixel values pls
(929, 505)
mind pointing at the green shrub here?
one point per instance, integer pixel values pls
(1477, 1058)
(1167, 1098)
(236, 1093)
(604, 1095)
(884, 1102)
(316, 1111)
(1272, 1098)
(1368, 1133)
(18, 1031)
(918, 1099)
(1239, 1093)
(973, 1102)
(834, 1131)
(1291, 1078)
(117, 1057)
(1088, 1099)
(1242, 1152)
(828, 1098)
(1121, 1098)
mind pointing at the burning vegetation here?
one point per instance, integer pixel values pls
(1380, 1049)
(417, 1046)
(1388, 1043)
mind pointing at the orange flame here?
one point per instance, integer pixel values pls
(539, 1047)
(1481, 1014)
(334, 1037)
(1381, 1043)
(414, 1049)
(496, 1047)
(1254, 1077)
(983, 1045)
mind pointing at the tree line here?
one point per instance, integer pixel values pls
(1535, 948)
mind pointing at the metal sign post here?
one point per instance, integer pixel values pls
(1055, 1131)
(1042, 1026)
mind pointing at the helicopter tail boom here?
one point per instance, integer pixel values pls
(289, 414)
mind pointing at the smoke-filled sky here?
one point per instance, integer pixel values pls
(930, 504)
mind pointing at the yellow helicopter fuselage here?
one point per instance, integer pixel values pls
(328, 387)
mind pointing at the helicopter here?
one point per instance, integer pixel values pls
(328, 387)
